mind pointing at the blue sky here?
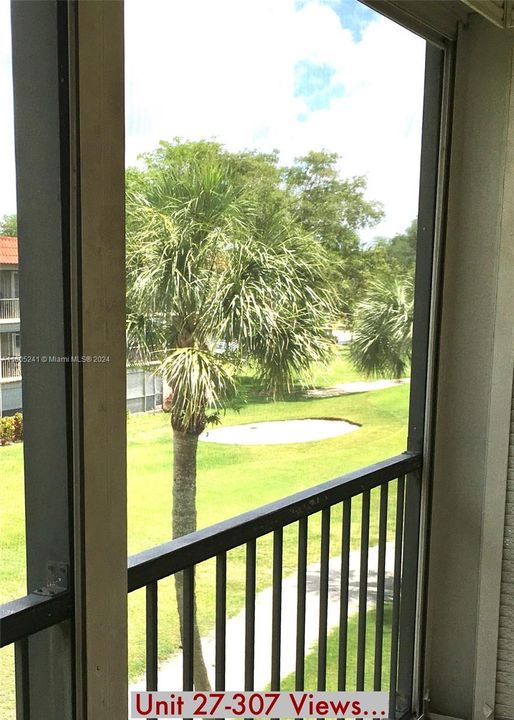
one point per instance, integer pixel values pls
(294, 75)
(314, 84)
(354, 16)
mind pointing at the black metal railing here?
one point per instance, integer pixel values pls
(22, 618)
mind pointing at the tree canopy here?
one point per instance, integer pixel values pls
(382, 343)
(207, 263)
(8, 226)
(220, 273)
(332, 209)
(399, 252)
(382, 320)
(309, 193)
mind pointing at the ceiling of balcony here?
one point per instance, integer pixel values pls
(499, 12)
(438, 19)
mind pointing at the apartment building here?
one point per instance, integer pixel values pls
(10, 370)
(144, 389)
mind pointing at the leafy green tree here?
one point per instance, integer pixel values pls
(310, 192)
(399, 251)
(335, 210)
(382, 341)
(383, 319)
(331, 208)
(204, 269)
(8, 226)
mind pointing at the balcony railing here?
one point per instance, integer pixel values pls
(9, 309)
(342, 506)
(10, 368)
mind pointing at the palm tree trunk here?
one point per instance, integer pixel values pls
(184, 522)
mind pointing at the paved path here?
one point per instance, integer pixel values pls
(170, 673)
(354, 387)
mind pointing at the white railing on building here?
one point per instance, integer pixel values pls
(10, 368)
(9, 308)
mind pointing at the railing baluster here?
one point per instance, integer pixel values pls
(398, 547)
(26, 616)
(221, 620)
(9, 308)
(323, 599)
(379, 620)
(250, 615)
(21, 664)
(188, 579)
(276, 622)
(167, 559)
(363, 591)
(152, 661)
(343, 608)
(300, 604)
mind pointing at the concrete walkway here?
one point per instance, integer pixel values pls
(354, 387)
(170, 673)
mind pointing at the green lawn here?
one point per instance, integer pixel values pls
(311, 661)
(231, 480)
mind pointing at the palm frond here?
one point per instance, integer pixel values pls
(201, 385)
(204, 268)
(382, 341)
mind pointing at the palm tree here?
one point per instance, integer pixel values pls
(203, 269)
(382, 341)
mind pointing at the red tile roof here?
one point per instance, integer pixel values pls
(8, 250)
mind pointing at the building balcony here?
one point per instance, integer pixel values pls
(431, 580)
(364, 587)
(10, 369)
(9, 309)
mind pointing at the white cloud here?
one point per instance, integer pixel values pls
(226, 69)
(376, 126)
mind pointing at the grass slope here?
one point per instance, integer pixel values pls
(231, 480)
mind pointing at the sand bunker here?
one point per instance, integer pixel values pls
(278, 432)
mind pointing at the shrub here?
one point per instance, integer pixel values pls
(18, 427)
(11, 429)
